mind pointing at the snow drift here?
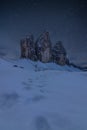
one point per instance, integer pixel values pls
(37, 96)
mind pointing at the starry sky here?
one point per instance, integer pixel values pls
(66, 20)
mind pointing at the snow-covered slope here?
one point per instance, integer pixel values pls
(37, 96)
(39, 66)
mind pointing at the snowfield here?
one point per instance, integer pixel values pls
(37, 96)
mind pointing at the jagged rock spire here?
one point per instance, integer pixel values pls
(43, 47)
(24, 49)
(59, 53)
(28, 47)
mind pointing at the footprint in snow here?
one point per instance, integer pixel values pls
(38, 98)
(8, 99)
(41, 123)
(27, 86)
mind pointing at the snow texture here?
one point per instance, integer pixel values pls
(38, 96)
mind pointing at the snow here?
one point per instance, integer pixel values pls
(38, 96)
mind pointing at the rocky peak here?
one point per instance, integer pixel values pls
(43, 46)
(59, 53)
(60, 48)
(42, 49)
(28, 47)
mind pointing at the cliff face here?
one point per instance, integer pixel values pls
(43, 46)
(59, 53)
(28, 48)
(42, 49)
(24, 49)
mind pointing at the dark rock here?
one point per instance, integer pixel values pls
(24, 49)
(15, 66)
(59, 54)
(42, 50)
(43, 47)
(21, 67)
(28, 48)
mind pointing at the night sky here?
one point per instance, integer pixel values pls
(66, 20)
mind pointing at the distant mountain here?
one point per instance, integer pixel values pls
(79, 67)
(42, 49)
